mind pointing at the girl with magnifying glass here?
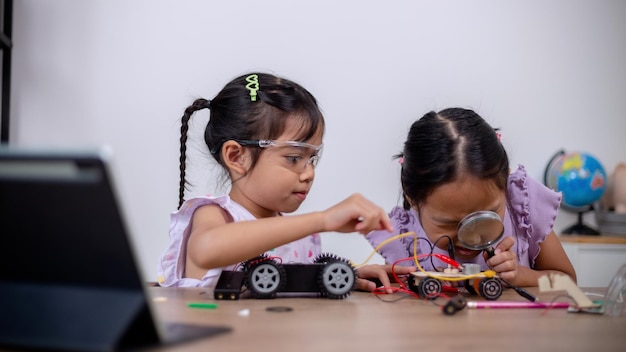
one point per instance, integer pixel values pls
(455, 171)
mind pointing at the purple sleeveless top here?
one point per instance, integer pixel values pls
(529, 218)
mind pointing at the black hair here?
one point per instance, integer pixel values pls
(236, 116)
(443, 146)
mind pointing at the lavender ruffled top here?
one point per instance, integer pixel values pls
(529, 218)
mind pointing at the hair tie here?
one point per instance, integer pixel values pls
(401, 160)
(498, 134)
(252, 86)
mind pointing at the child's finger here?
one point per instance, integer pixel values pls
(385, 222)
(376, 220)
(506, 244)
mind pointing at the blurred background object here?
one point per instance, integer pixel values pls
(582, 181)
(611, 209)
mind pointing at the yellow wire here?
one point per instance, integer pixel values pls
(384, 243)
(487, 273)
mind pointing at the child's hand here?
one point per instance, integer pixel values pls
(370, 274)
(356, 213)
(504, 262)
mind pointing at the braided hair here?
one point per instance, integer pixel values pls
(234, 114)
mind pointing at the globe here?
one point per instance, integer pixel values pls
(582, 181)
(579, 177)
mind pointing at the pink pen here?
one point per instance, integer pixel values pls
(515, 304)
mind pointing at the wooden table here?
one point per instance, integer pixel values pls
(363, 322)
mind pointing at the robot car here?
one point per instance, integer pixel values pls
(264, 277)
(429, 284)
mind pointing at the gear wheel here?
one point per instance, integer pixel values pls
(337, 277)
(265, 277)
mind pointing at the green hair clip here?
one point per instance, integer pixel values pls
(252, 86)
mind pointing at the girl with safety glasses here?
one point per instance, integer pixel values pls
(266, 133)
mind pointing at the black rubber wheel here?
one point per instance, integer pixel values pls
(326, 258)
(265, 278)
(490, 288)
(412, 285)
(469, 287)
(429, 288)
(337, 279)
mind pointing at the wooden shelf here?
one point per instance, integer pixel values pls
(601, 239)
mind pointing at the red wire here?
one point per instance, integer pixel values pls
(404, 289)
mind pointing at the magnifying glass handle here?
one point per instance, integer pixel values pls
(490, 251)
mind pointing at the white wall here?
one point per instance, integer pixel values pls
(551, 74)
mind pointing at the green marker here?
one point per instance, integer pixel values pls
(202, 305)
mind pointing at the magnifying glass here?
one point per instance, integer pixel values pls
(480, 230)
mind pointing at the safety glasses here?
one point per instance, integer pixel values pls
(297, 155)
